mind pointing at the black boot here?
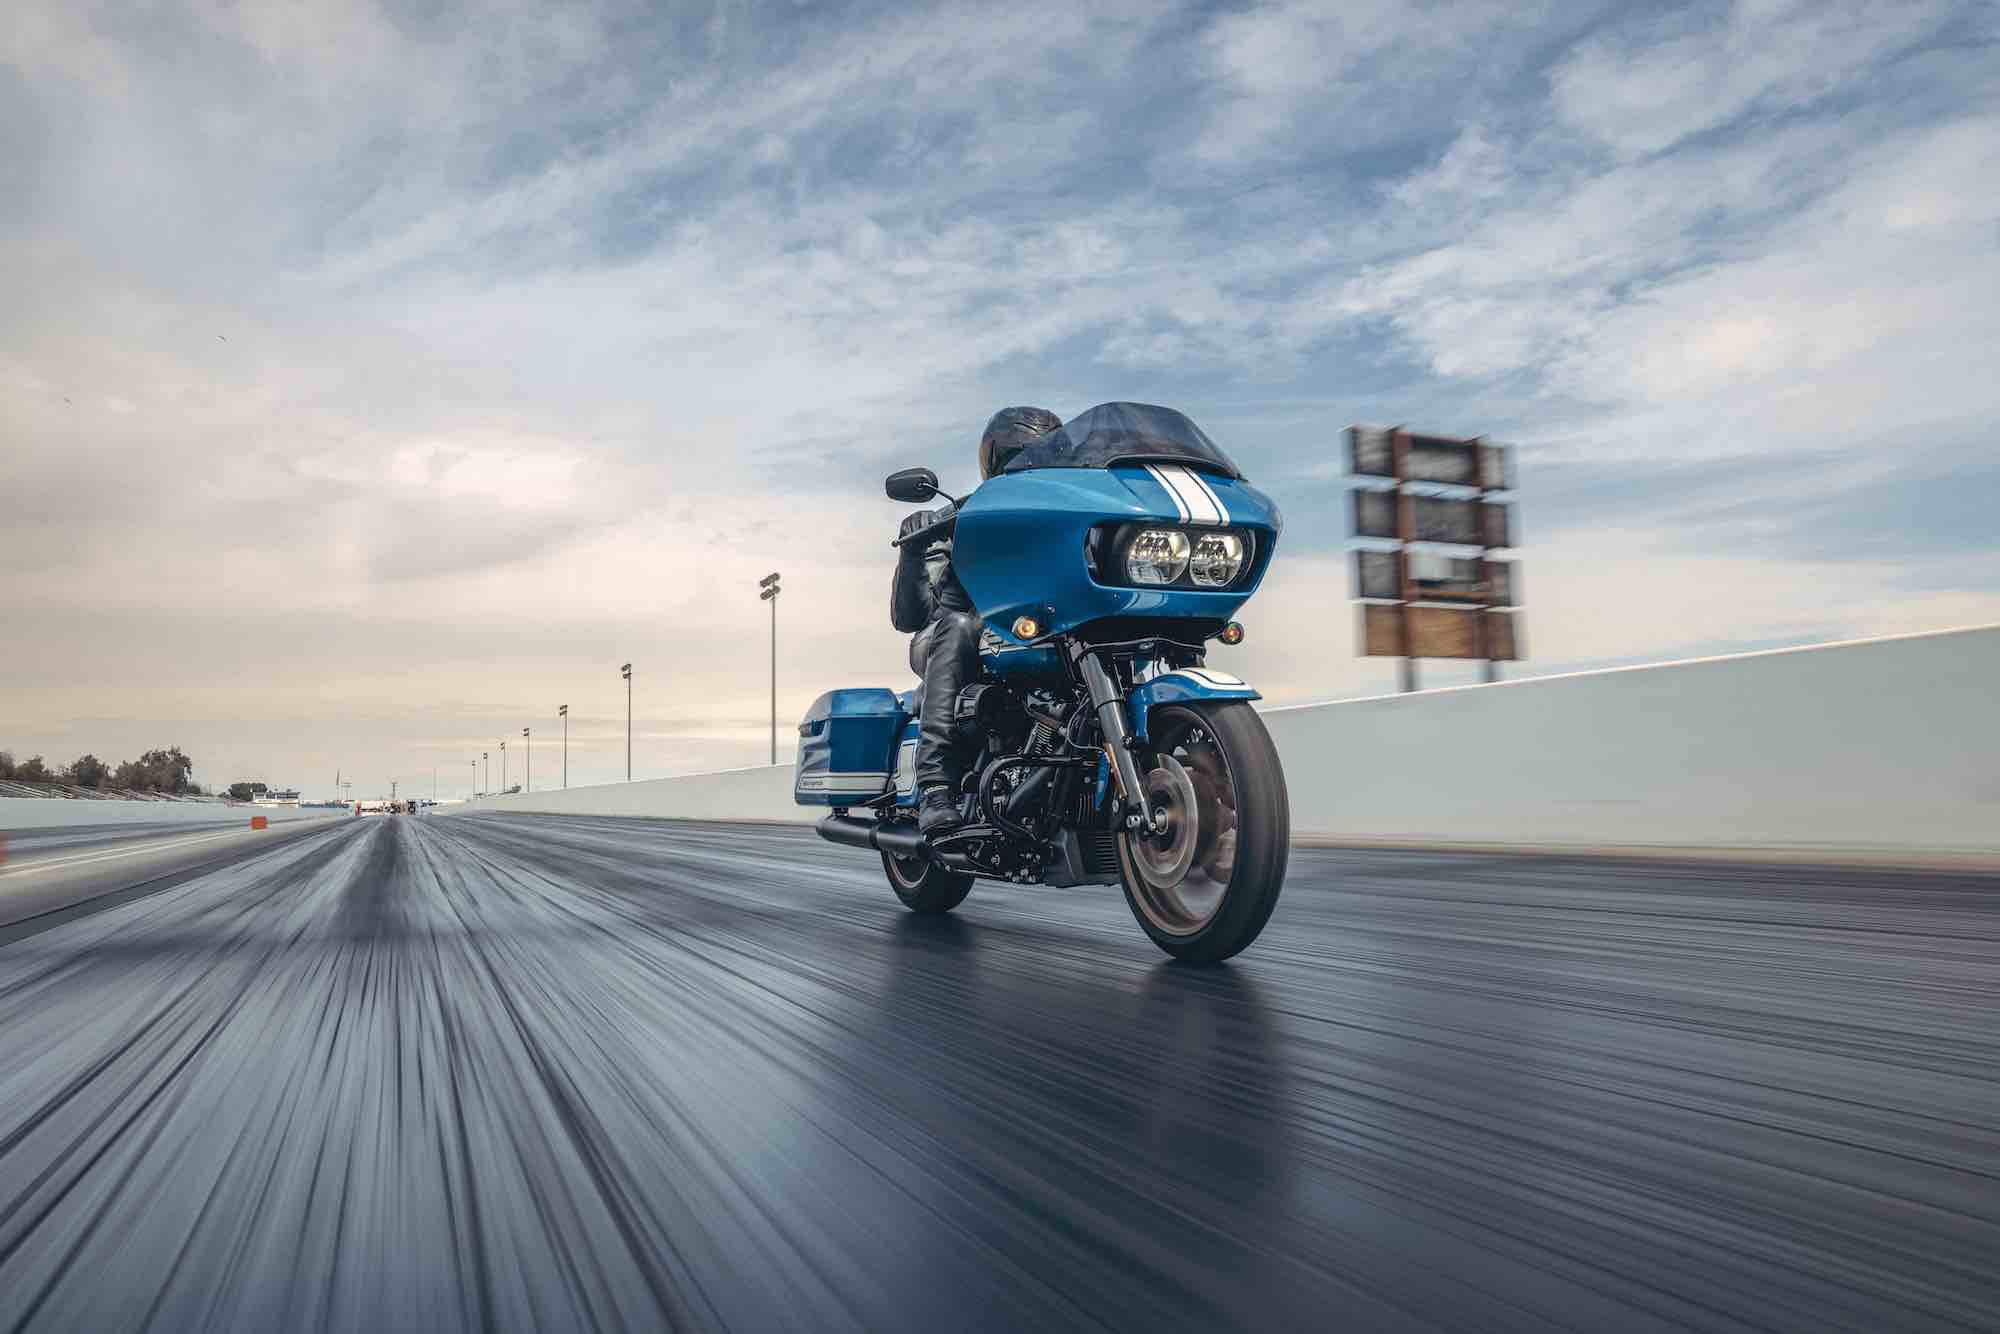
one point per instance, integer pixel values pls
(938, 812)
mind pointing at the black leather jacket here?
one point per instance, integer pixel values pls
(925, 581)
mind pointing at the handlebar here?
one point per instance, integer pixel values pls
(930, 532)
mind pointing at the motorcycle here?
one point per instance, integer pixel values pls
(1103, 560)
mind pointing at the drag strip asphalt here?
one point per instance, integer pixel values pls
(512, 1072)
(53, 875)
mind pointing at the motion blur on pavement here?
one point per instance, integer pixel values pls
(1447, 781)
(547, 1072)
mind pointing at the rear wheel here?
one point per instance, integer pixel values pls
(1204, 887)
(923, 886)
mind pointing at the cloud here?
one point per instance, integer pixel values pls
(1657, 80)
(356, 353)
(1295, 80)
(1730, 301)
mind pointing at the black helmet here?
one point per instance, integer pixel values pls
(1011, 431)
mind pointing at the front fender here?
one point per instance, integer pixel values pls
(1188, 685)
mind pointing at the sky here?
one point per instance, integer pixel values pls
(375, 379)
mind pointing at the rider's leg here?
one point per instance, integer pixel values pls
(950, 664)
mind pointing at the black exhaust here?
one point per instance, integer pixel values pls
(902, 841)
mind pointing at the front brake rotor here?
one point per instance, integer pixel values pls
(1163, 858)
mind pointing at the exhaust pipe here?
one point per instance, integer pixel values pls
(871, 834)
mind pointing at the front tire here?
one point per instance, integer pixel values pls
(1204, 890)
(923, 886)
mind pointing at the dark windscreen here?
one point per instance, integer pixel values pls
(1124, 432)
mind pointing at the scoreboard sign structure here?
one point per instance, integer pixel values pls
(1437, 632)
(1378, 575)
(1422, 603)
(1467, 523)
(1429, 458)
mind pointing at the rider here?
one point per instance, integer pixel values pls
(927, 597)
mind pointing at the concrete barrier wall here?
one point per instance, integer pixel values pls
(50, 813)
(1890, 744)
(762, 793)
(1886, 745)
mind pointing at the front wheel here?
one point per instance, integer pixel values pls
(923, 886)
(1204, 887)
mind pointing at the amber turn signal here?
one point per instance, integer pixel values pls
(1232, 633)
(1027, 627)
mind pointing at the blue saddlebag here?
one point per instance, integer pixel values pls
(847, 747)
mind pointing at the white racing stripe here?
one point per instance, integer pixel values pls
(1180, 505)
(1194, 505)
(1192, 495)
(1215, 501)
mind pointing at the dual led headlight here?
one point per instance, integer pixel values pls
(1208, 557)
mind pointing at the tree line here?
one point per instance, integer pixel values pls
(155, 771)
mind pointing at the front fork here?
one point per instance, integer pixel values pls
(1116, 728)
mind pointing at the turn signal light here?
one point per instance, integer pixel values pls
(1027, 627)
(1232, 633)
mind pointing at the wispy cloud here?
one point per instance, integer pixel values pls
(357, 352)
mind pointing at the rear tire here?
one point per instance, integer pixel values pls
(1205, 894)
(925, 887)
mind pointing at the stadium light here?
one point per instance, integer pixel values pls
(627, 670)
(769, 583)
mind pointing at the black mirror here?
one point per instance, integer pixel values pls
(912, 486)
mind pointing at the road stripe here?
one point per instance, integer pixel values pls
(57, 863)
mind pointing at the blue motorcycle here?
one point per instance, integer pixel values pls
(1103, 561)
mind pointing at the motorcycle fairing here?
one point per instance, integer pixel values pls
(1183, 686)
(1019, 544)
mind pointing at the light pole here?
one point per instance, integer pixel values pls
(627, 671)
(503, 766)
(563, 713)
(769, 583)
(487, 755)
(528, 744)
(475, 779)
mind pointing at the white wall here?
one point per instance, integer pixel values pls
(762, 793)
(1889, 745)
(51, 812)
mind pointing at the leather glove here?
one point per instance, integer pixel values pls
(916, 523)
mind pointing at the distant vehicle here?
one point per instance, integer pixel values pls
(1103, 561)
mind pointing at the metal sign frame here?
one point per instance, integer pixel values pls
(1479, 622)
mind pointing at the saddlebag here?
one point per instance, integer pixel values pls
(847, 747)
